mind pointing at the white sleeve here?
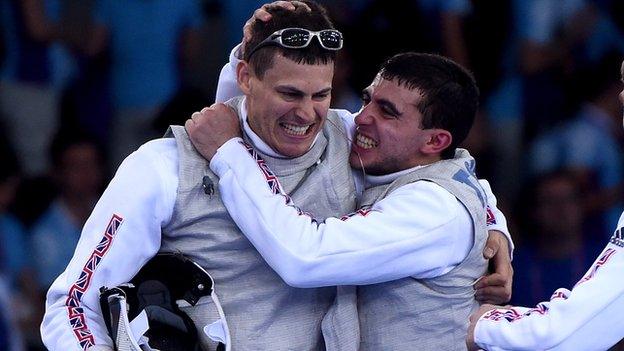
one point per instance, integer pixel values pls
(419, 230)
(227, 87)
(571, 320)
(122, 233)
(495, 218)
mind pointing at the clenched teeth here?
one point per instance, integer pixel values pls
(294, 129)
(365, 142)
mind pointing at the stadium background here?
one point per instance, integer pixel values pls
(548, 136)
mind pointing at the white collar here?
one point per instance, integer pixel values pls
(373, 180)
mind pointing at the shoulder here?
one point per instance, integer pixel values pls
(162, 151)
(154, 164)
(345, 116)
(342, 118)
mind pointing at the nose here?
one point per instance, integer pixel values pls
(305, 110)
(365, 116)
(622, 97)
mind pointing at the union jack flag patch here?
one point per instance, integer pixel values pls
(75, 312)
(490, 219)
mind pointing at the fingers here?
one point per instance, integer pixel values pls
(493, 295)
(286, 5)
(493, 289)
(491, 279)
(493, 243)
(261, 15)
(189, 125)
(264, 13)
(303, 5)
(501, 264)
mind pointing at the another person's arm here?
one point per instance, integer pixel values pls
(586, 318)
(227, 87)
(122, 233)
(419, 230)
(213, 126)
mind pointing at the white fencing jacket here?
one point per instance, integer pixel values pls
(419, 230)
(590, 317)
(123, 232)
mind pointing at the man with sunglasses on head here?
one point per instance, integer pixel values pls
(164, 198)
(430, 232)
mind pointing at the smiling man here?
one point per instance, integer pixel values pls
(162, 199)
(415, 244)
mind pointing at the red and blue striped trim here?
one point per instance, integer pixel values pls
(75, 311)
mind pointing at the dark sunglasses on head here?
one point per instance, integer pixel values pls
(297, 38)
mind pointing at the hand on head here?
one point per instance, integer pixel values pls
(212, 127)
(263, 14)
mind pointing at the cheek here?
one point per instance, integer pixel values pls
(321, 109)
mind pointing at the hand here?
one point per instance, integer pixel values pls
(496, 287)
(470, 342)
(263, 14)
(211, 128)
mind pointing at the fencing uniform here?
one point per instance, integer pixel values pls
(586, 318)
(158, 201)
(430, 232)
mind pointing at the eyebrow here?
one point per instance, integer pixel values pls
(291, 88)
(389, 105)
(324, 91)
(383, 102)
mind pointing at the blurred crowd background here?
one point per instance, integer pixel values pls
(84, 82)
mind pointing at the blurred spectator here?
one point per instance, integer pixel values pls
(13, 254)
(446, 27)
(13, 239)
(434, 26)
(144, 39)
(79, 176)
(35, 70)
(177, 110)
(237, 13)
(10, 337)
(555, 249)
(590, 145)
(487, 28)
(559, 37)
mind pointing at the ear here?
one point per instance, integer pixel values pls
(243, 76)
(439, 140)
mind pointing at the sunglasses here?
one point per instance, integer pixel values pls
(297, 38)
